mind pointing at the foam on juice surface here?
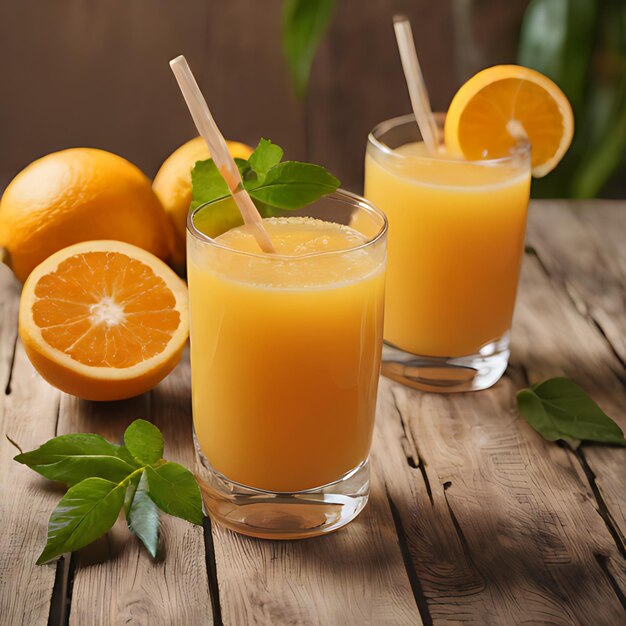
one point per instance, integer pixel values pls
(297, 262)
(296, 236)
(423, 168)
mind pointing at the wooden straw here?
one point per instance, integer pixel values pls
(219, 151)
(415, 82)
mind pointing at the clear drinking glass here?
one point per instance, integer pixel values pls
(456, 240)
(285, 359)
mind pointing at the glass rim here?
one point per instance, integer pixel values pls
(341, 195)
(521, 149)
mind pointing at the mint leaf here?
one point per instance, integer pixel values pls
(142, 515)
(144, 441)
(292, 185)
(207, 184)
(85, 513)
(559, 409)
(304, 23)
(175, 491)
(264, 157)
(72, 458)
(275, 187)
(218, 218)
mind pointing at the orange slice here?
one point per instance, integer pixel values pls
(103, 320)
(506, 104)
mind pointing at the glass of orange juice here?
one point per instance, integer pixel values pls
(285, 358)
(456, 240)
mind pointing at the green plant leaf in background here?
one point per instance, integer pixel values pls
(557, 40)
(603, 144)
(581, 45)
(559, 409)
(304, 23)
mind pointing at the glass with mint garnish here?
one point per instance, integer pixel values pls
(285, 346)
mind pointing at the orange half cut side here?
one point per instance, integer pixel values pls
(103, 320)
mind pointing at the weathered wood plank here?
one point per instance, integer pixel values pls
(580, 247)
(552, 338)
(354, 576)
(28, 414)
(115, 580)
(511, 535)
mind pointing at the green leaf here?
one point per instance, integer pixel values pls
(559, 409)
(72, 458)
(207, 184)
(304, 23)
(245, 169)
(264, 157)
(144, 441)
(274, 186)
(175, 491)
(556, 39)
(85, 513)
(602, 160)
(142, 515)
(218, 218)
(292, 185)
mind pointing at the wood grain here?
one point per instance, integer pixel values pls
(354, 576)
(28, 415)
(581, 246)
(579, 332)
(138, 590)
(511, 535)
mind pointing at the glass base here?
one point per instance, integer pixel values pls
(269, 515)
(448, 374)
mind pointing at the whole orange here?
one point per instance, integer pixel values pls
(172, 184)
(76, 195)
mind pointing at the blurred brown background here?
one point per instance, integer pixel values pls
(95, 73)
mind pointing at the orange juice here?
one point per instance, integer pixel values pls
(285, 352)
(456, 238)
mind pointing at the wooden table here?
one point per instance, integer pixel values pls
(473, 517)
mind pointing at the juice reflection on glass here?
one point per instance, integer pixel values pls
(456, 239)
(285, 355)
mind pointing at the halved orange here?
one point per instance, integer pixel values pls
(103, 320)
(506, 104)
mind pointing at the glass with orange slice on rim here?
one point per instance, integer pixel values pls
(457, 222)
